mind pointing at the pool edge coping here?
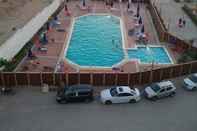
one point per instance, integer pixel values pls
(125, 57)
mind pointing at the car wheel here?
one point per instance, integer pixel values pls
(132, 101)
(194, 89)
(62, 101)
(108, 102)
(58, 101)
(172, 94)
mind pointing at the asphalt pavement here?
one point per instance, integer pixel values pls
(31, 110)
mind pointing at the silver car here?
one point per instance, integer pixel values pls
(120, 94)
(190, 83)
(159, 90)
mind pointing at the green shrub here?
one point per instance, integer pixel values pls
(11, 65)
(187, 56)
(3, 62)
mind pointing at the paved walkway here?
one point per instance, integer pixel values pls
(17, 13)
(171, 12)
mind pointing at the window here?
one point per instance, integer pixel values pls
(120, 89)
(169, 88)
(124, 94)
(155, 87)
(162, 90)
(132, 93)
(71, 94)
(113, 91)
(193, 78)
(83, 93)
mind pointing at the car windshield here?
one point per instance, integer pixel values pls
(155, 87)
(193, 78)
(113, 91)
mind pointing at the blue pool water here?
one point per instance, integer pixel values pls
(96, 41)
(147, 55)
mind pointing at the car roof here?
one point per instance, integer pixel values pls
(165, 83)
(82, 87)
(123, 89)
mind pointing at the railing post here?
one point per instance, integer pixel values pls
(28, 79)
(128, 79)
(104, 79)
(140, 77)
(181, 71)
(171, 71)
(161, 75)
(3, 80)
(151, 76)
(116, 79)
(54, 81)
(15, 79)
(78, 77)
(41, 80)
(91, 78)
(67, 82)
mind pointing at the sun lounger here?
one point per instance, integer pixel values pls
(61, 30)
(42, 49)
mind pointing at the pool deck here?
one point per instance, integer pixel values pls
(175, 10)
(48, 61)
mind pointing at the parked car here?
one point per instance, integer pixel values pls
(75, 93)
(190, 83)
(159, 90)
(120, 94)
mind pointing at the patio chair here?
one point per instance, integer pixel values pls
(60, 30)
(43, 49)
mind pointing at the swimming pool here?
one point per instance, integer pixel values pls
(158, 55)
(96, 40)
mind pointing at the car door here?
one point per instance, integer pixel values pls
(161, 92)
(123, 98)
(71, 96)
(168, 90)
(82, 95)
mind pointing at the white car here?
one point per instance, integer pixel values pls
(120, 94)
(190, 82)
(159, 90)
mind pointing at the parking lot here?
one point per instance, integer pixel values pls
(31, 110)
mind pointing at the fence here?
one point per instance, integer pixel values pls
(106, 79)
(162, 31)
(97, 79)
(157, 21)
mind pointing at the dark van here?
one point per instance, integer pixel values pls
(75, 93)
